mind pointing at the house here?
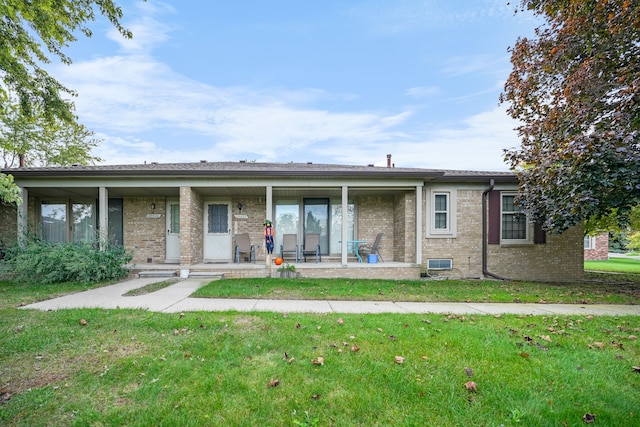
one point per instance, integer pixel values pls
(184, 216)
(596, 247)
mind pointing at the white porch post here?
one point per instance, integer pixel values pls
(268, 213)
(22, 217)
(103, 213)
(418, 224)
(343, 232)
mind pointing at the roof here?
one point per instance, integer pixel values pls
(255, 169)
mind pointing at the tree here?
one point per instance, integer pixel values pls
(27, 28)
(575, 88)
(43, 142)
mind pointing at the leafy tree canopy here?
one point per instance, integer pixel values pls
(31, 32)
(43, 142)
(575, 88)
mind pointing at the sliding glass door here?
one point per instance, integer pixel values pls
(316, 220)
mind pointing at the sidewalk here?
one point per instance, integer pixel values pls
(175, 299)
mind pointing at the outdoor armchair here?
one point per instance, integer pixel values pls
(244, 246)
(289, 244)
(312, 246)
(374, 248)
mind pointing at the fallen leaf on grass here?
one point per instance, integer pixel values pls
(318, 361)
(315, 397)
(636, 369)
(83, 322)
(468, 371)
(597, 344)
(399, 359)
(589, 418)
(355, 348)
(340, 321)
(525, 355)
(545, 337)
(632, 337)
(274, 383)
(471, 386)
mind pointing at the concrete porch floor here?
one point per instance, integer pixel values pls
(328, 269)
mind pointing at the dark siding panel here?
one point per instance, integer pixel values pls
(539, 235)
(494, 218)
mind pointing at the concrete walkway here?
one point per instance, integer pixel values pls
(176, 298)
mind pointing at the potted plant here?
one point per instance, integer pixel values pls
(288, 271)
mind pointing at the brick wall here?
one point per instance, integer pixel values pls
(191, 226)
(376, 214)
(465, 249)
(8, 223)
(255, 209)
(145, 237)
(601, 249)
(560, 259)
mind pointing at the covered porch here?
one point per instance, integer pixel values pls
(332, 268)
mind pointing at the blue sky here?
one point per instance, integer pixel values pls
(344, 82)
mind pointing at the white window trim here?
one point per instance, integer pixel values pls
(592, 242)
(451, 229)
(529, 229)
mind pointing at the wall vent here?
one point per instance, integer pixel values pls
(439, 264)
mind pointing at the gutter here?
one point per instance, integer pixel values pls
(485, 270)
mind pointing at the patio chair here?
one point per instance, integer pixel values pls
(374, 248)
(312, 246)
(244, 246)
(289, 244)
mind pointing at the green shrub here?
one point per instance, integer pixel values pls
(634, 241)
(40, 261)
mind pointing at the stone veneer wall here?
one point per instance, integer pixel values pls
(375, 215)
(601, 251)
(145, 237)
(191, 226)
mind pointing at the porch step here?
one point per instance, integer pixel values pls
(157, 273)
(206, 275)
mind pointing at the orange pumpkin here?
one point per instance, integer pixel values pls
(278, 261)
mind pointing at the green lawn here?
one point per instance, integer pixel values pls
(620, 265)
(135, 368)
(595, 289)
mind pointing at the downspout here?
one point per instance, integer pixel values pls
(485, 271)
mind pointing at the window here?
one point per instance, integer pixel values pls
(439, 264)
(218, 218)
(68, 221)
(589, 242)
(442, 212)
(514, 223)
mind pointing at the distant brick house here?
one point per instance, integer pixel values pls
(596, 247)
(458, 223)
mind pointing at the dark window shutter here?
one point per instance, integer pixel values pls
(494, 218)
(539, 235)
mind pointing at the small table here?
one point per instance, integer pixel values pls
(355, 244)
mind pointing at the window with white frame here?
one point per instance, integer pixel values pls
(589, 242)
(441, 208)
(514, 224)
(441, 211)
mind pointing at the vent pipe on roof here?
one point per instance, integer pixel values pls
(388, 160)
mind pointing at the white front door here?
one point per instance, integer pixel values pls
(173, 231)
(217, 231)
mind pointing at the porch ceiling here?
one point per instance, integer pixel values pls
(278, 192)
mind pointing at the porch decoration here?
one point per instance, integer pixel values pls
(278, 261)
(268, 236)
